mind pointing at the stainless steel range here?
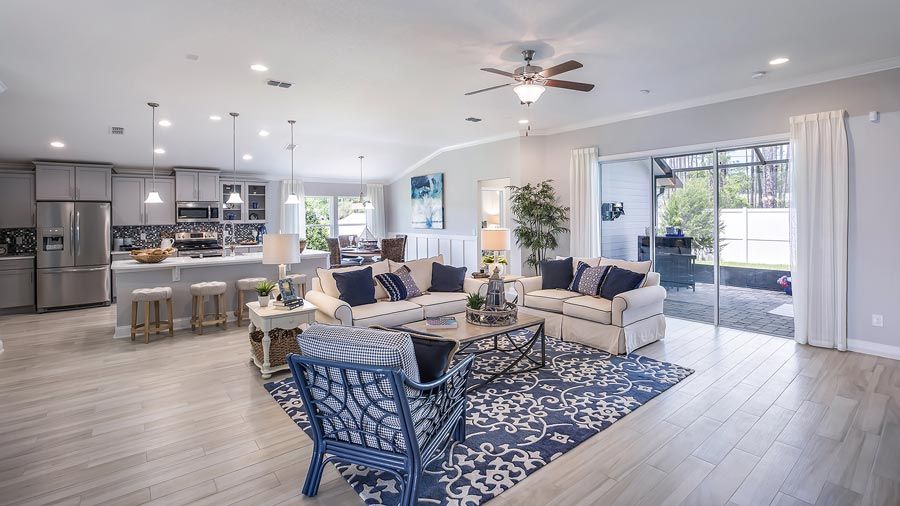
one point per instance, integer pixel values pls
(198, 244)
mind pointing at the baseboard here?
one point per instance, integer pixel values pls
(877, 349)
(178, 323)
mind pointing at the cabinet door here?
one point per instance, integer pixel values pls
(208, 187)
(186, 186)
(16, 200)
(54, 182)
(256, 202)
(93, 183)
(128, 201)
(233, 212)
(16, 288)
(161, 214)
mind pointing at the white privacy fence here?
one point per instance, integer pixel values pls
(759, 236)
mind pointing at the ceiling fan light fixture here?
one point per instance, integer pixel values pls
(529, 93)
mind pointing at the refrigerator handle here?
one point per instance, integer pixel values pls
(77, 232)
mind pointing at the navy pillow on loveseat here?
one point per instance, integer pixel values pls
(446, 278)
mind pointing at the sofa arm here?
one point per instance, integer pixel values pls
(472, 285)
(631, 306)
(527, 285)
(334, 310)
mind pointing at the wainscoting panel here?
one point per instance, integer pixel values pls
(458, 250)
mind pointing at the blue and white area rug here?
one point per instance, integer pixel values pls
(518, 424)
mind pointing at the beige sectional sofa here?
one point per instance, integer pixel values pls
(324, 294)
(622, 325)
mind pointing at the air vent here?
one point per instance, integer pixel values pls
(113, 130)
(290, 147)
(473, 120)
(279, 84)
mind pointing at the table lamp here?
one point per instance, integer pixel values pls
(495, 239)
(281, 249)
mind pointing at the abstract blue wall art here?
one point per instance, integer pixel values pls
(427, 194)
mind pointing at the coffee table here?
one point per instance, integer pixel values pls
(470, 336)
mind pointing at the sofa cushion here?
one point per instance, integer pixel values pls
(592, 262)
(639, 267)
(446, 278)
(589, 308)
(620, 280)
(329, 287)
(587, 279)
(549, 300)
(360, 346)
(441, 303)
(556, 273)
(419, 269)
(388, 314)
(356, 287)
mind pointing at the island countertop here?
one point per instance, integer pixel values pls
(188, 262)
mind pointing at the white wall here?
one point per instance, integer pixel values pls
(627, 182)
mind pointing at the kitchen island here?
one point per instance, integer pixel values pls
(180, 273)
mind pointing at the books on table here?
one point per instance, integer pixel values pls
(441, 322)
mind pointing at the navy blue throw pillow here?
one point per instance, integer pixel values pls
(556, 273)
(446, 278)
(356, 287)
(619, 280)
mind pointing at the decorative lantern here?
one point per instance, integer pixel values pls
(496, 292)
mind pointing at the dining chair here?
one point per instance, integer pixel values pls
(334, 254)
(394, 249)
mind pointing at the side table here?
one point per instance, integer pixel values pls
(268, 318)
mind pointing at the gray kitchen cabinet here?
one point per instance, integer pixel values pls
(16, 282)
(196, 185)
(208, 186)
(16, 200)
(54, 182)
(128, 208)
(93, 183)
(160, 214)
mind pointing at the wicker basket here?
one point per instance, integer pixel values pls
(151, 256)
(283, 341)
(495, 318)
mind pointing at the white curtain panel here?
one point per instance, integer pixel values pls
(584, 215)
(375, 217)
(819, 214)
(293, 216)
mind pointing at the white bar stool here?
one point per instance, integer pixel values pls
(147, 296)
(243, 285)
(199, 317)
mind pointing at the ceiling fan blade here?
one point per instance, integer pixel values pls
(499, 72)
(569, 85)
(488, 89)
(559, 69)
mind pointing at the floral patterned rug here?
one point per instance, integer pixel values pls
(517, 424)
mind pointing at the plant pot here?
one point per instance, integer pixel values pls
(264, 300)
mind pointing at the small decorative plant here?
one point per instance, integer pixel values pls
(487, 259)
(475, 300)
(264, 288)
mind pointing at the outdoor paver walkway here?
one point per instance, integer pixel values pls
(740, 308)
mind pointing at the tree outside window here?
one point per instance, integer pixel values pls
(318, 222)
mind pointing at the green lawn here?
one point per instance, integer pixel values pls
(774, 267)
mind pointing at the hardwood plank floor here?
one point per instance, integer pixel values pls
(88, 420)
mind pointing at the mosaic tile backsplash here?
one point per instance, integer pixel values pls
(21, 241)
(153, 233)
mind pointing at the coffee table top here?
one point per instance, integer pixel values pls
(466, 331)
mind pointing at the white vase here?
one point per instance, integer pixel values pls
(263, 301)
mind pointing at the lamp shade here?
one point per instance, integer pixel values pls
(529, 93)
(281, 249)
(495, 239)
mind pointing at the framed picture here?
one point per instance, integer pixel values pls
(288, 295)
(427, 193)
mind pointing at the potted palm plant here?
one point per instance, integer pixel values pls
(540, 219)
(264, 291)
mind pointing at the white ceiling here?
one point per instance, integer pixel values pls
(385, 78)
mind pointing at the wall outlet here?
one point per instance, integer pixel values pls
(877, 320)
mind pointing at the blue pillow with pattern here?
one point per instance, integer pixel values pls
(399, 284)
(587, 279)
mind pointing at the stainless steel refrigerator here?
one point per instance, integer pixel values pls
(73, 254)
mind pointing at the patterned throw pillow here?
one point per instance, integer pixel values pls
(587, 279)
(399, 284)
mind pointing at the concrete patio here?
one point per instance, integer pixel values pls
(739, 308)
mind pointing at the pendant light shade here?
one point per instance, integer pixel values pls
(363, 203)
(235, 197)
(153, 196)
(292, 198)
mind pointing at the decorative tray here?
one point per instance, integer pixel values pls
(492, 318)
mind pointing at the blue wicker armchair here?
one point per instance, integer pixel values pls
(361, 392)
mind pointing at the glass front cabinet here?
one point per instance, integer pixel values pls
(253, 210)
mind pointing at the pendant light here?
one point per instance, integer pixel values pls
(363, 203)
(235, 197)
(292, 197)
(153, 196)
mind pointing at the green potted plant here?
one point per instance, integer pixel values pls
(475, 300)
(540, 219)
(264, 291)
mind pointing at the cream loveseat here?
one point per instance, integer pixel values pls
(631, 320)
(324, 294)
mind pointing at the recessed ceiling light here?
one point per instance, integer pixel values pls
(758, 75)
(263, 133)
(778, 61)
(165, 123)
(215, 117)
(259, 67)
(523, 121)
(57, 144)
(247, 157)
(159, 151)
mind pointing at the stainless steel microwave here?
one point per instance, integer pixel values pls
(190, 212)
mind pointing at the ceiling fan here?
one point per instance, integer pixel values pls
(530, 80)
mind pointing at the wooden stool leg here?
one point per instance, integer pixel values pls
(146, 322)
(156, 309)
(171, 318)
(217, 298)
(134, 308)
(201, 303)
(224, 315)
(193, 312)
(239, 311)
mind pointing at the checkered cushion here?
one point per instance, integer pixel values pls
(587, 279)
(399, 284)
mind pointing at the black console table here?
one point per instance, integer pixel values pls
(674, 259)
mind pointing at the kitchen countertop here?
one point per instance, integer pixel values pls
(16, 257)
(187, 262)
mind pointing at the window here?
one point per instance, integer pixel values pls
(350, 221)
(318, 222)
